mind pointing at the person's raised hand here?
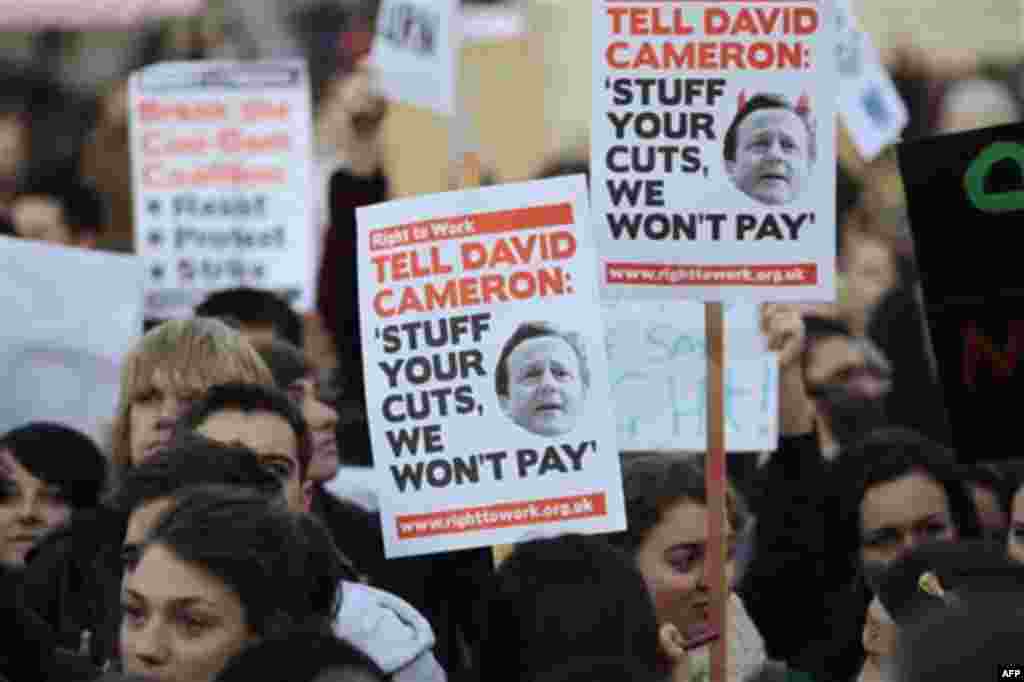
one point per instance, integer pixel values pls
(783, 327)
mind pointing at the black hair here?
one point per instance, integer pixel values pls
(565, 597)
(285, 362)
(251, 398)
(83, 206)
(653, 482)
(531, 330)
(255, 306)
(283, 566)
(962, 569)
(191, 460)
(61, 456)
(967, 642)
(886, 455)
(300, 656)
(766, 101)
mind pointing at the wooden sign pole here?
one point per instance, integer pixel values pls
(715, 561)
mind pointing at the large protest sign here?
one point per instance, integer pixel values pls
(658, 357)
(70, 316)
(872, 109)
(222, 181)
(965, 196)
(486, 380)
(712, 150)
(414, 52)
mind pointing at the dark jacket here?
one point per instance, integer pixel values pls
(30, 650)
(73, 582)
(296, 657)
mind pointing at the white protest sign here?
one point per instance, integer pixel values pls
(70, 316)
(658, 361)
(69, 14)
(872, 109)
(713, 149)
(486, 379)
(223, 183)
(414, 52)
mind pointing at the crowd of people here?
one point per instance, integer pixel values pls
(201, 540)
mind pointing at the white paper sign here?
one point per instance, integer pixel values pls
(70, 316)
(872, 109)
(657, 356)
(713, 150)
(414, 52)
(223, 181)
(486, 379)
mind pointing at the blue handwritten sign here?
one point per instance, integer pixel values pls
(656, 355)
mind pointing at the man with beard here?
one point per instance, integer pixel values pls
(770, 148)
(848, 379)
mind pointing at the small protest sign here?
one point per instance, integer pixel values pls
(872, 109)
(486, 381)
(70, 316)
(965, 196)
(658, 357)
(222, 181)
(713, 148)
(415, 50)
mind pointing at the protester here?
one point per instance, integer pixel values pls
(263, 419)
(848, 379)
(893, 490)
(169, 369)
(567, 598)
(261, 314)
(50, 473)
(293, 374)
(52, 205)
(220, 570)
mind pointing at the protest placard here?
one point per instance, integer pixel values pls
(486, 380)
(657, 354)
(414, 52)
(713, 149)
(872, 109)
(964, 197)
(70, 316)
(222, 180)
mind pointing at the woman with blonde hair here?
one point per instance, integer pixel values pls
(168, 370)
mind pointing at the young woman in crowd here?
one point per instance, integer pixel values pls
(49, 473)
(667, 538)
(221, 570)
(574, 598)
(894, 490)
